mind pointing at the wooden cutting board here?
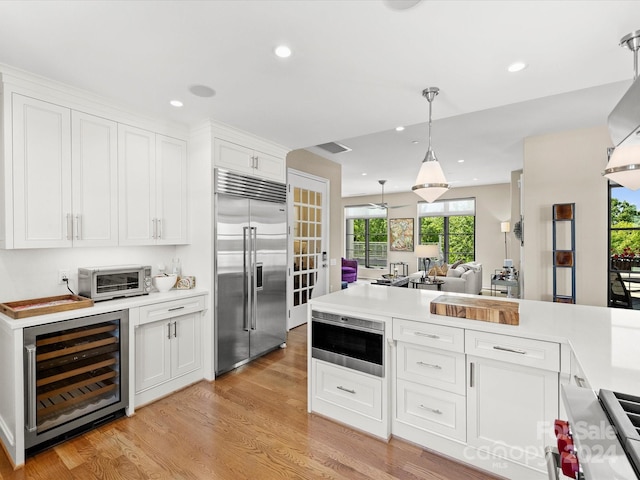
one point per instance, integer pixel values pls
(484, 309)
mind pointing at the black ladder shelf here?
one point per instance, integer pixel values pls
(564, 258)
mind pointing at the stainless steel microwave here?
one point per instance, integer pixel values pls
(109, 282)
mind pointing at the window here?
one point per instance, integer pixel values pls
(366, 235)
(452, 225)
(624, 246)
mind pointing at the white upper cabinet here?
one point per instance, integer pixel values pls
(171, 190)
(65, 176)
(41, 174)
(94, 174)
(250, 161)
(152, 188)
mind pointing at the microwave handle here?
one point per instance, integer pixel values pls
(31, 388)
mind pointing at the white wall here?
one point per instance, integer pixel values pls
(493, 205)
(33, 273)
(566, 167)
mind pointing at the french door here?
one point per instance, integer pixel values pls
(308, 273)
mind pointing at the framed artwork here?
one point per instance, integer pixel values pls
(401, 234)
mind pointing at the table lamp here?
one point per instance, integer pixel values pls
(427, 252)
(505, 227)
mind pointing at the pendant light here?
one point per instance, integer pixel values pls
(624, 163)
(430, 183)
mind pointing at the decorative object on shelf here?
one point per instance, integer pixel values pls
(564, 258)
(186, 282)
(430, 183)
(624, 161)
(505, 227)
(426, 252)
(401, 234)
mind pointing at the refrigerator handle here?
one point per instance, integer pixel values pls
(254, 272)
(246, 247)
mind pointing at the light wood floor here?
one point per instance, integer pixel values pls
(251, 423)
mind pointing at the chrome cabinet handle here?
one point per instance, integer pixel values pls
(76, 227)
(175, 329)
(169, 330)
(429, 365)
(340, 387)
(429, 335)
(159, 220)
(31, 387)
(512, 350)
(175, 308)
(471, 374)
(433, 410)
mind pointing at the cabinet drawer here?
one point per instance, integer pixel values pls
(428, 366)
(349, 389)
(432, 409)
(173, 308)
(429, 335)
(522, 351)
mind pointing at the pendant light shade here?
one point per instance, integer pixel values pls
(624, 167)
(430, 183)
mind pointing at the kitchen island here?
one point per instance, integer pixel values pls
(492, 390)
(149, 374)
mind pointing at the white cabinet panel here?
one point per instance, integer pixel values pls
(42, 173)
(429, 334)
(94, 169)
(171, 191)
(428, 366)
(186, 354)
(153, 355)
(510, 408)
(136, 185)
(432, 409)
(247, 160)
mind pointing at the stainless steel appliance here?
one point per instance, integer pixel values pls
(601, 439)
(109, 282)
(76, 376)
(250, 245)
(351, 342)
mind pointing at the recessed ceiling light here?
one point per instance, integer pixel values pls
(202, 91)
(475, 179)
(364, 174)
(415, 142)
(283, 51)
(400, 128)
(176, 103)
(516, 67)
(461, 161)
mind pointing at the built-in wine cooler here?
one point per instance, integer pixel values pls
(76, 376)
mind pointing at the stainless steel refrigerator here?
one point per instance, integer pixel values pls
(250, 245)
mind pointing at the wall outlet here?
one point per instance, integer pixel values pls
(62, 276)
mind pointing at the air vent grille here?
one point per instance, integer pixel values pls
(249, 187)
(334, 147)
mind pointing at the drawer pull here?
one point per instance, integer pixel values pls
(429, 335)
(340, 387)
(176, 308)
(432, 410)
(512, 350)
(429, 365)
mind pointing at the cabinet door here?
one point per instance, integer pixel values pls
(94, 160)
(270, 167)
(42, 173)
(234, 157)
(171, 190)
(510, 408)
(186, 341)
(153, 354)
(136, 186)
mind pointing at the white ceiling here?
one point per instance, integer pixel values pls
(357, 71)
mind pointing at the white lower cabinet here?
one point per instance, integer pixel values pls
(168, 350)
(349, 396)
(488, 398)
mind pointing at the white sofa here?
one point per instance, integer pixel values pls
(465, 278)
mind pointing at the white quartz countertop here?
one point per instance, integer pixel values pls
(606, 341)
(99, 307)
